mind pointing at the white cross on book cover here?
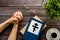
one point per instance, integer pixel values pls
(33, 30)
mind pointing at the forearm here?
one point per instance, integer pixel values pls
(13, 33)
(4, 25)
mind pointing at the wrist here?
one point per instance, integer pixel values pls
(10, 20)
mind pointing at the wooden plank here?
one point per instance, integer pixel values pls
(36, 10)
(21, 2)
(26, 19)
(33, 3)
(12, 2)
(4, 37)
(19, 37)
(44, 1)
(9, 10)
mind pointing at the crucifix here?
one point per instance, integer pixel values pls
(35, 26)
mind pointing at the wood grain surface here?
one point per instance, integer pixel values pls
(29, 8)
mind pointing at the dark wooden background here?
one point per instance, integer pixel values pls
(29, 8)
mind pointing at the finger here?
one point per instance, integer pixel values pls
(18, 15)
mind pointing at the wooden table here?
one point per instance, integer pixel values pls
(29, 9)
